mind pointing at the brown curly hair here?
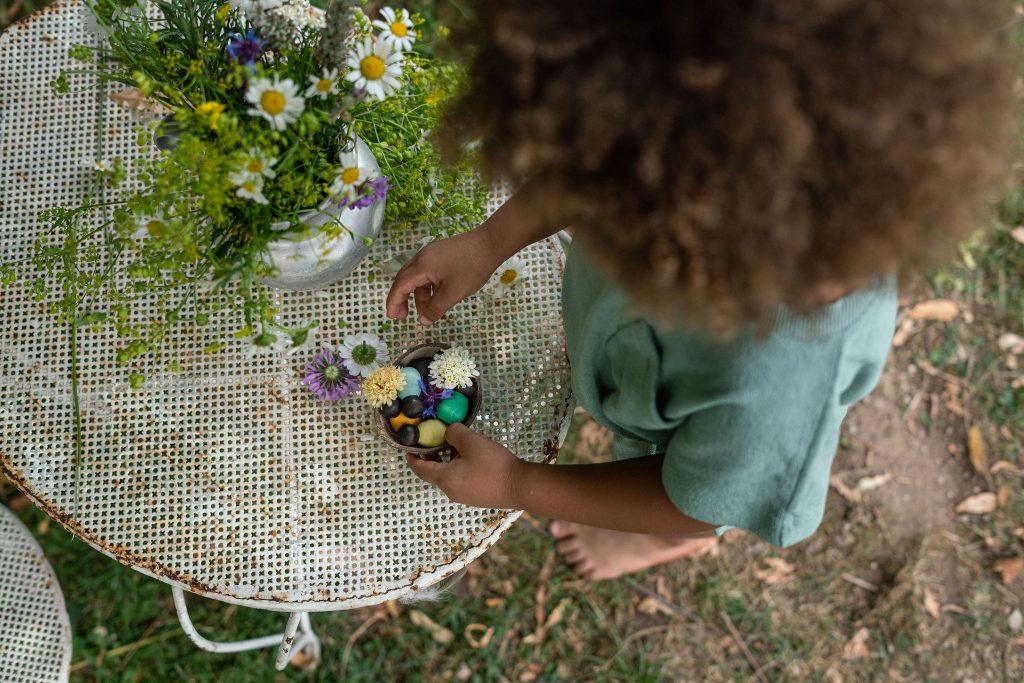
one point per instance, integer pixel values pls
(724, 157)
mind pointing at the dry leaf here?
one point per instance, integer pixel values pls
(833, 675)
(779, 570)
(976, 449)
(1015, 620)
(533, 670)
(857, 647)
(955, 609)
(440, 633)
(300, 660)
(931, 603)
(651, 606)
(844, 490)
(487, 632)
(557, 614)
(1018, 234)
(1002, 496)
(978, 504)
(43, 527)
(1009, 568)
(903, 333)
(494, 603)
(19, 503)
(133, 99)
(943, 310)
(1010, 342)
(464, 673)
(871, 483)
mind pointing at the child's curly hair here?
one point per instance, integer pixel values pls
(723, 157)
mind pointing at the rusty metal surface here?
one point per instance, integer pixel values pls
(35, 633)
(228, 478)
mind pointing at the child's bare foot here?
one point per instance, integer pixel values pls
(598, 554)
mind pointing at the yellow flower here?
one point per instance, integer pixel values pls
(223, 12)
(213, 110)
(434, 97)
(381, 386)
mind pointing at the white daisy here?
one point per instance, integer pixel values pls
(148, 226)
(275, 100)
(249, 187)
(363, 353)
(508, 276)
(350, 176)
(396, 28)
(297, 341)
(253, 164)
(324, 85)
(375, 68)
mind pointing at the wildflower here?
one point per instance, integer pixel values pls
(260, 344)
(381, 386)
(373, 191)
(278, 101)
(245, 49)
(324, 85)
(223, 12)
(350, 176)
(327, 377)
(255, 163)
(299, 340)
(363, 353)
(508, 276)
(396, 28)
(432, 397)
(375, 68)
(249, 187)
(211, 110)
(453, 368)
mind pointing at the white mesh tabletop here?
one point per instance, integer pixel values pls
(35, 635)
(229, 478)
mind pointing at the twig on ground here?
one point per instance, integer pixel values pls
(626, 641)
(363, 628)
(859, 582)
(758, 671)
(130, 647)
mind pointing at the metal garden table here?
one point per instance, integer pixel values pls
(225, 477)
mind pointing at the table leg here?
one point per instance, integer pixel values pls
(306, 640)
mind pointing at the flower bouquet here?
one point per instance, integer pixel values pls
(272, 133)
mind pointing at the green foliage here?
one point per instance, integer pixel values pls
(199, 212)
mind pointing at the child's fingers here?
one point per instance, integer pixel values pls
(406, 282)
(427, 470)
(431, 308)
(422, 297)
(461, 437)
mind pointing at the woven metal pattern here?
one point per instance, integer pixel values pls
(35, 635)
(229, 478)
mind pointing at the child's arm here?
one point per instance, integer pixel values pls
(446, 272)
(625, 495)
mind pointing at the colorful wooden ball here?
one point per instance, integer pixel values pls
(392, 409)
(412, 383)
(397, 422)
(412, 406)
(408, 435)
(454, 409)
(432, 433)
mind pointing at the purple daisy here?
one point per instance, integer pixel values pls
(432, 397)
(245, 49)
(327, 376)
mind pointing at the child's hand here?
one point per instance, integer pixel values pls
(483, 474)
(441, 275)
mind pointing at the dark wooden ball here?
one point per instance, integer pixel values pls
(422, 366)
(408, 435)
(412, 406)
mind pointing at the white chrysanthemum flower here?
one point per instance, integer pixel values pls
(508, 276)
(324, 85)
(249, 187)
(254, 164)
(279, 102)
(375, 68)
(453, 368)
(363, 353)
(350, 176)
(396, 28)
(147, 226)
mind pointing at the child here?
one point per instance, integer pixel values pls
(744, 180)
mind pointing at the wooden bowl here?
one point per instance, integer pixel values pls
(384, 426)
